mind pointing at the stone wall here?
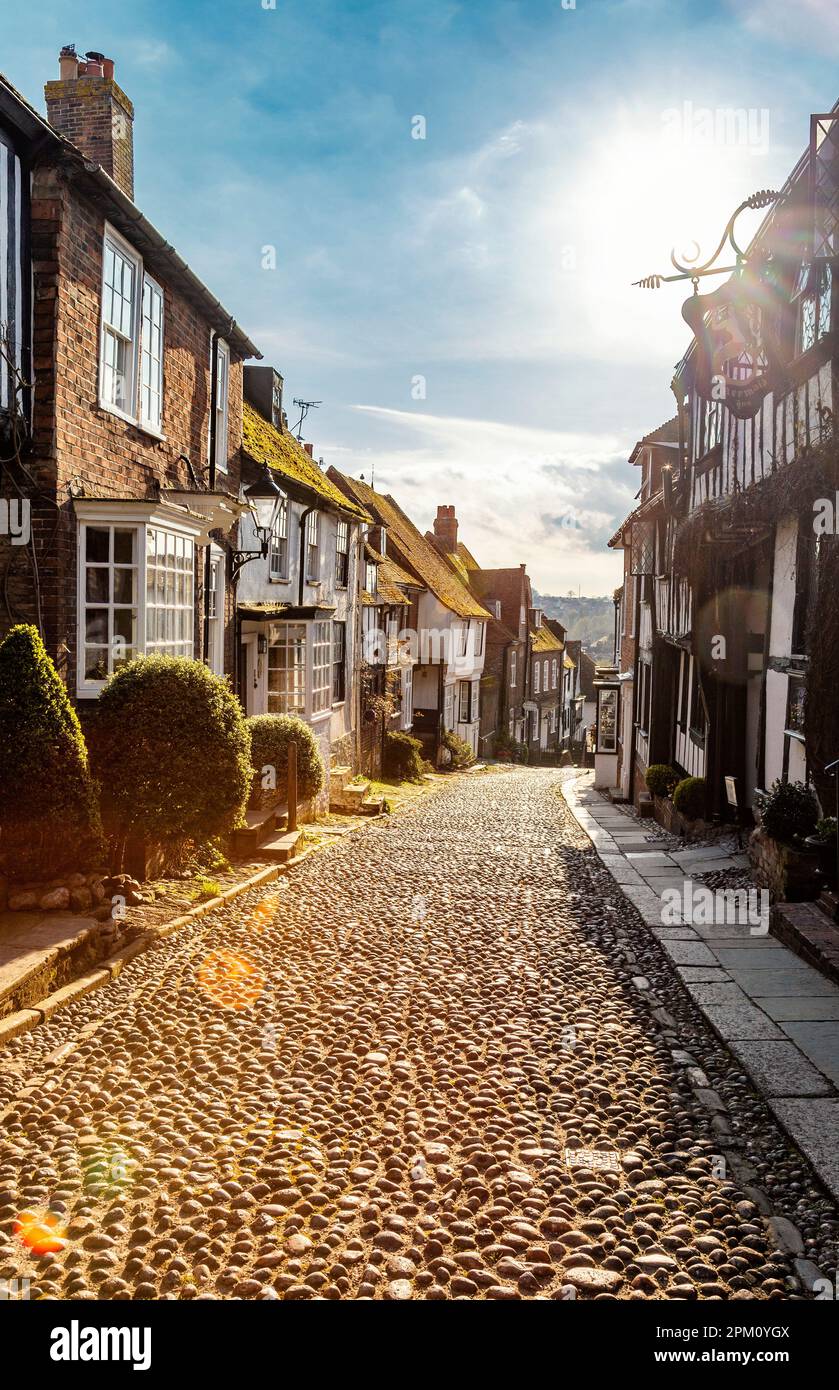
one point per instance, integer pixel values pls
(788, 873)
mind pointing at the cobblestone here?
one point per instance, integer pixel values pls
(417, 1068)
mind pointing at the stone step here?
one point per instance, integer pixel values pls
(260, 824)
(372, 806)
(338, 778)
(281, 848)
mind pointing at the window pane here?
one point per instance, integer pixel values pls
(96, 625)
(96, 663)
(96, 585)
(123, 547)
(123, 586)
(97, 544)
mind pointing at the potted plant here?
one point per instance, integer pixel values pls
(784, 857)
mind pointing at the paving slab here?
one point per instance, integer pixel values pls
(802, 1006)
(780, 1069)
(768, 955)
(820, 1043)
(814, 1127)
(701, 974)
(802, 980)
(31, 941)
(689, 953)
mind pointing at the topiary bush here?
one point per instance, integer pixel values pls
(462, 755)
(403, 757)
(49, 812)
(171, 749)
(788, 810)
(661, 779)
(689, 798)
(270, 737)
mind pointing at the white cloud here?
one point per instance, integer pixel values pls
(806, 23)
(548, 498)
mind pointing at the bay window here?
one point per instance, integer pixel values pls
(131, 337)
(321, 666)
(287, 669)
(136, 588)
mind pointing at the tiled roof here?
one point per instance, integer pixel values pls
(467, 557)
(543, 640)
(280, 450)
(414, 552)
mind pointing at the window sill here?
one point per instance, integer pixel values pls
(127, 419)
(339, 704)
(276, 579)
(320, 716)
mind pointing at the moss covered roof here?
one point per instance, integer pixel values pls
(264, 443)
(543, 640)
(415, 554)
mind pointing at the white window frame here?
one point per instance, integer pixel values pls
(279, 573)
(316, 703)
(475, 702)
(536, 673)
(215, 655)
(342, 553)
(153, 423)
(133, 393)
(321, 667)
(339, 660)
(479, 638)
(513, 667)
(222, 403)
(141, 518)
(554, 673)
(407, 697)
(312, 558)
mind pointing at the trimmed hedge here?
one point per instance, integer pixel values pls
(403, 757)
(661, 779)
(172, 752)
(689, 798)
(49, 813)
(270, 737)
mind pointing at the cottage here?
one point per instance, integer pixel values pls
(447, 625)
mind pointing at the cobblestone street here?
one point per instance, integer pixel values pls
(365, 1081)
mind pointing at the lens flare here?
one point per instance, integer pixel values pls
(41, 1232)
(231, 981)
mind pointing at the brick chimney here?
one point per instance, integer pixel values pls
(445, 529)
(88, 107)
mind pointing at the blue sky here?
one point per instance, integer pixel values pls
(566, 150)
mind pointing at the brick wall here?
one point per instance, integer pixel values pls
(75, 441)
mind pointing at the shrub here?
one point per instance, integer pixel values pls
(403, 757)
(689, 797)
(49, 814)
(270, 737)
(826, 829)
(462, 755)
(661, 779)
(788, 810)
(171, 749)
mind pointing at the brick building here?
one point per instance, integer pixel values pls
(127, 447)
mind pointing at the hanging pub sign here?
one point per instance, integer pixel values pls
(738, 358)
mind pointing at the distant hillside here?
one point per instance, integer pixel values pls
(588, 620)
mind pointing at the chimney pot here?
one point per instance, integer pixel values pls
(96, 115)
(310, 449)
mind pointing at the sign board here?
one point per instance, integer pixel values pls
(738, 357)
(731, 791)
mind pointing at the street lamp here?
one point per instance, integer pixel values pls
(263, 499)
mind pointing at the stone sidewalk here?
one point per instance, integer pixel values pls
(778, 1016)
